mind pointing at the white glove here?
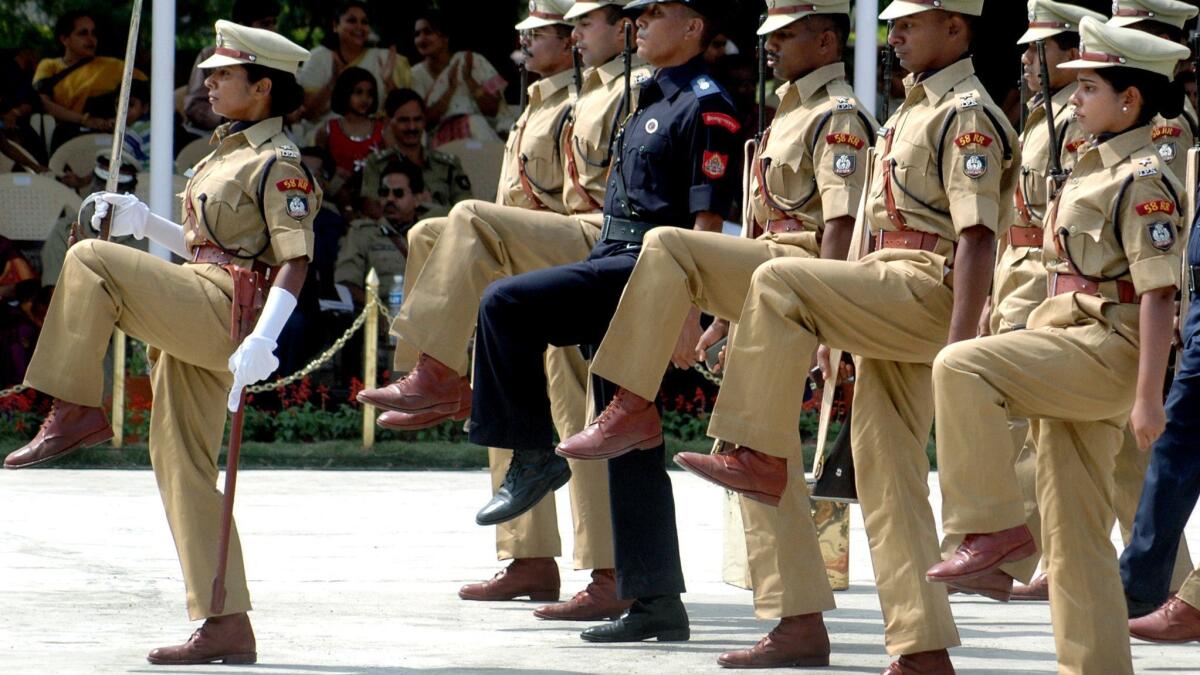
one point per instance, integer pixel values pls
(133, 217)
(254, 360)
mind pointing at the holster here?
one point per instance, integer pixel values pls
(249, 295)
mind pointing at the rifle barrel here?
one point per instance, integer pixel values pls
(762, 89)
(1056, 170)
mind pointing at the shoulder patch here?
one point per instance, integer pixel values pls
(1166, 131)
(297, 206)
(974, 138)
(1156, 206)
(714, 164)
(705, 86)
(968, 100)
(843, 138)
(716, 119)
(1161, 234)
(290, 184)
(1074, 146)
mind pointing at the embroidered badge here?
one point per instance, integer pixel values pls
(290, 184)
(1156, 206)
(843, 104)
(968, 100)
(651, 125)
(845, 165)
(297, 206)
(1168, 151)
(1165, 132)
(1162, 235)
(722, 120)
(714, 164)
(1146, 167)
(843, 138)
(975, 166)
(973, 138)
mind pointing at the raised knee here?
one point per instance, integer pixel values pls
(951, 360)
(661, 238)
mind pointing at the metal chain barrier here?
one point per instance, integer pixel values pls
(12, 391)
(707, 374)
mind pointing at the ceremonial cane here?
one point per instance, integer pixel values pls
(118, 139)
(231, 467)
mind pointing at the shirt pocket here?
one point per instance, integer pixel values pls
(1080, 231)
(539, 156)
(652, 152)
(226, 211)
(790, 182)
(916, 185)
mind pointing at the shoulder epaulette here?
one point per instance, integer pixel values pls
(640, 76)
(1146, 166)
(444, 157)
(704, 86)
(969, 99)
(285, 149)
(843, 103)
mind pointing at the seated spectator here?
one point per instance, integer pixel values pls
(404, 136)
(79, 84)
(19, 100)
(137, 125)
(19, 319)
(357, 130)
(464, 95)
(382, 243)
(345, 46)
(55, 248)
(199, 117)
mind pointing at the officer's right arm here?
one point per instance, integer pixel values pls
(840, 159)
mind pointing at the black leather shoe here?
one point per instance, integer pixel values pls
(531, 476)
(663, 618)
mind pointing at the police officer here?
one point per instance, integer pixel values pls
(548, 217)
(248, 206)
(671, 168)
(1113, 267)
(444, 177)
(806, 182)
(380, 244)
(944, 167)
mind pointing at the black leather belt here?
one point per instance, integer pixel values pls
(622, 229)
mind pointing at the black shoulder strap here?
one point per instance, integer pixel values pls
(46, 85)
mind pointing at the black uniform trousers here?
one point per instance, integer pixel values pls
(519, 318)
(1173, 478)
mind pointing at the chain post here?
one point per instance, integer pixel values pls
(370, 354)
(118, 388)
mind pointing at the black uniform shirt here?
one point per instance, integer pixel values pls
(676, 154)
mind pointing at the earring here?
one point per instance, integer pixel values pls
(1124, 108)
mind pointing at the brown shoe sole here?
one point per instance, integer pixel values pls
(594, 616)
(998, 596)
(95, 438)
(457, 416)
(761, 497)
(446, 407)
(645, 444)
(241, 658)
(1021, 552)
(538, 596)
(805, 662)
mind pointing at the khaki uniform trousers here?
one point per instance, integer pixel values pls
(1189, 592)
(454, 259)
(182, 311)
(1078, 425)
(892, 310)
(676, 269)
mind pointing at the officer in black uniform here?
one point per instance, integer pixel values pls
(672, 169)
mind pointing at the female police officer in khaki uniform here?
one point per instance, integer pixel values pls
(1092, 359)
(249, 206)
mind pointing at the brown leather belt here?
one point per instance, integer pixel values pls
(784, 225)
(207, 253)
(907, 239)
(1074, 283)
(1025, 236)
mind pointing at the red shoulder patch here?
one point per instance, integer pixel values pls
(714, 164)
(1168, 131)
(974, 138)
(715, 119)
(293, 184)
(1156, 206)
(843, 138)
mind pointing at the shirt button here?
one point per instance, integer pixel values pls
(1074, 229)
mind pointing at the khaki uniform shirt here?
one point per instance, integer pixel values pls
(963, 186)
(1117, 217)
(445, 179)
(251, 195)
(368, 243)
(533, 145)
(1174, 137)
(587, 144)
(1020, 281)
(814, 157)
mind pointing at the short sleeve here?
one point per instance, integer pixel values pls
(1150, 234)
(840, 164)
(973, 169)
(716, 147)
(290, 205)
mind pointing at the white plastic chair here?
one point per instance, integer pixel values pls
(32, 205)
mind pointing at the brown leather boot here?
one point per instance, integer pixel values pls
(935, 662)
(1175, 621)
(412, 421)
(430, 387)
(982, 553)
(536, 578)
(753, 474)
(630, 422)
(1038, 590)
(996, 584)
(797, 642)
(598, 601)
(68, 427)
(228, 639)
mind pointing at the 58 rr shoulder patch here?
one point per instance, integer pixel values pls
(844, 138)
(1156, 206)
(289, 184)
(973, 138)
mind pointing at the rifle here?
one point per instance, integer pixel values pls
(524, 96)
(1056, 170)
(762, 89)
(627, 56)
(577, 64)
(1021, 87)
(889, 58)
(118, 139)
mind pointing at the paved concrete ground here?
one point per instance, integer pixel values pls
(357, 573)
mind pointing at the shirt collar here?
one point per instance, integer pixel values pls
(256, 133)
(937, 85)
(679, 78)
(1060, 100)
(549, 86)
(1118, 148)
(616, 68)
(813, 82)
